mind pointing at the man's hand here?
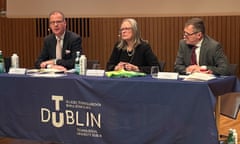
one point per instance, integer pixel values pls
(45, 63)
(196, 68)
(59, 67)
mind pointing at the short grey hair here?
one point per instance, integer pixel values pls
(197, 23)
(56, 12)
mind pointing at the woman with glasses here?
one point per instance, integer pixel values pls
(131, 52)
(198, 52)
(60, 47)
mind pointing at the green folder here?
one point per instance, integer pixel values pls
(124, 73)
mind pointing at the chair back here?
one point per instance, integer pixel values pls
(233, 69)
(230, 103)
(7, 63)
(162, 65)
(90, 63)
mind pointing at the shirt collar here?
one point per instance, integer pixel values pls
(62, 36)
(199, 43)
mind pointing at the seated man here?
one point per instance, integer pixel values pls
(198, 50)
(60, 47)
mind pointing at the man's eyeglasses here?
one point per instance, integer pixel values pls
(55, 22)
(126, 29)
(188, 34)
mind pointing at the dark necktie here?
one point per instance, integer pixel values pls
(193, 56)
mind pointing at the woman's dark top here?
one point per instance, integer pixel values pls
(143, 57)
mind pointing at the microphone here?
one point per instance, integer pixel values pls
(49, 30)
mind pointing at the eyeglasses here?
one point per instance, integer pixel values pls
(55, 22)
(126, 29)
(189, 34)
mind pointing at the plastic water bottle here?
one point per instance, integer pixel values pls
(235, 135)
(2, 68)
(83, 65)
(76, 66)
(231, 137)
(14, 61)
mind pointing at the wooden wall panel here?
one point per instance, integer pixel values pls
(100, 34)
(17, 36)
(3, 5)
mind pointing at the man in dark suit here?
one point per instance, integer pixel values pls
(60, 47)
(208, 53)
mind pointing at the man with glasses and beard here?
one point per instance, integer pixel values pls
(198, 51)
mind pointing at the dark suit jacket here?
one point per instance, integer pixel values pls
(71, 44)
(211, 55)
(143, 57)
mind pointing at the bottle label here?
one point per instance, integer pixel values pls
(77, 68)
(14, 61)
(83, 65)
(1, 67)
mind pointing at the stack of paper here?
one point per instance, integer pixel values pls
(199, 77)
(45, 73)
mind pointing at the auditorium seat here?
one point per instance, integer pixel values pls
(233, 68)
(90, 63)
(162, 65)
(230, 104)
(7, 63)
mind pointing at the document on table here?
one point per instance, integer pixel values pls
(45, 73)
(199, 77)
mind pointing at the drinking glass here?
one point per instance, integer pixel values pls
(154, 71)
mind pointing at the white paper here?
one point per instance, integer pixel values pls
(199, 77)
(49, 75)
(167, 75)
(95, 72)
(21, 71)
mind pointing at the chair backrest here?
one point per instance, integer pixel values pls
(233, 69)
(230, 103)
(162, 65)
(7, 63)
(90, 63)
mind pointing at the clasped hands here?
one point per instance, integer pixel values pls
(51, 64)
(126, 66)
(196, 68)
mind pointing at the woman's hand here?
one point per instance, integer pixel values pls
(131, 67)
(120, 66)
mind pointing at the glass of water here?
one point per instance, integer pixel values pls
(154, 71)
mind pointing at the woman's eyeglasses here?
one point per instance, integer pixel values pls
(125, 29)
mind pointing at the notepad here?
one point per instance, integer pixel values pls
(199, 77)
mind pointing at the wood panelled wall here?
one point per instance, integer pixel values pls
(3, 5)
(24, 36)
